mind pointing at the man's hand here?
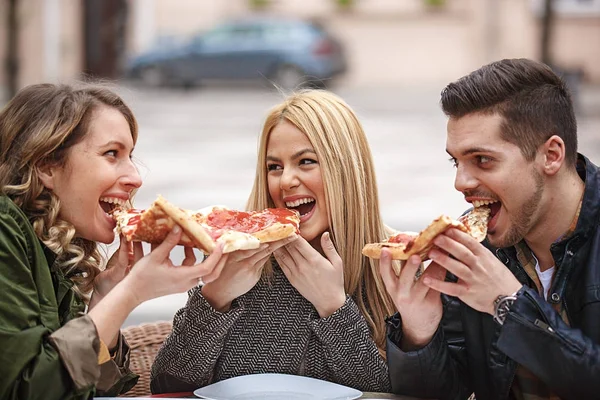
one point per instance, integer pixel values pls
(481, 276)
(419, 306)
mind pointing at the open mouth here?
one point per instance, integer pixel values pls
(303, 206)
(494, 207)
(111, 204)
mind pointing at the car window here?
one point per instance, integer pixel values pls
(232, 34)
(218, 35)
(278, 33)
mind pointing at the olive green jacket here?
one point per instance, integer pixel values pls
(48, 347)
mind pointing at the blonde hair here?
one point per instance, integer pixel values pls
(38, 127)
(350, 190)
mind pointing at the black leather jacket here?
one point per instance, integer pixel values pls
(471, 353)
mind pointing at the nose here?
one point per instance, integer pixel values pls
(464, 180)
(131, 179)
(289, 179)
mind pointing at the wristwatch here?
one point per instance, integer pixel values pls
(502, 305)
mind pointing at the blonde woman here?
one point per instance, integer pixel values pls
(65, 160)
(318, 310)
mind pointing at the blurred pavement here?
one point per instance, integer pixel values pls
(198, 148)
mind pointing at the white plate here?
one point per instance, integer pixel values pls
(276, 386)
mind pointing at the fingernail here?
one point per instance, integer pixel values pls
(326, 234)
(385, 255)
(176, 229)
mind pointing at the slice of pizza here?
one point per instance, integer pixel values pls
(203, 229)
(268, 225)
(405, 244)
(398, 244)
(151, 225)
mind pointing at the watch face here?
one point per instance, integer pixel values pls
(502, 307)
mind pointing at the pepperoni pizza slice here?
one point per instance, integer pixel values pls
(203, 229)
(405, 244)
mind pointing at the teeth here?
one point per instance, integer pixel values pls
(296, 203)
(113, 200)
(479, 203)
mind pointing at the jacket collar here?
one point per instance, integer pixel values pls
(590, 207)
(49, 254)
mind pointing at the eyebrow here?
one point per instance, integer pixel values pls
(295, 155)
(117, 143)
(114, 143)
(472, 150)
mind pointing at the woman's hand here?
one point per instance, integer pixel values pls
(116, 269)
(242, 273)
(155, 275)
(319, 279)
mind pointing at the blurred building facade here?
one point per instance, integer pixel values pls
(388, 42)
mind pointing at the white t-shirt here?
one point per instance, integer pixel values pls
(545, 277)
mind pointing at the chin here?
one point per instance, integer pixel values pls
(107, 241)
(101, 237)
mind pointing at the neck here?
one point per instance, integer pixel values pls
(561, 201)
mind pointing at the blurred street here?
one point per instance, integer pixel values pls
(198, 148)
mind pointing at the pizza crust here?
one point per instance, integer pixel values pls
(373, 250)
(275, 232)
(233, 241)
(195, 231)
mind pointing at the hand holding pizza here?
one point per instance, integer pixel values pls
(155, 275)
(116, 269)
(319, 279)
(419, 306)
(481, 276)
(241, 273)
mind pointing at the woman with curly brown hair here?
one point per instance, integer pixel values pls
(65, 162)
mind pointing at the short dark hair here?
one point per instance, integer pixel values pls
(533, 101)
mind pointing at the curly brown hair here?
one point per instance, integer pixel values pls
(37, 128)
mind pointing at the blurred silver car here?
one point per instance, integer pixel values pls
(289, 53)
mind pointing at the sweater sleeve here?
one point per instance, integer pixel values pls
(197, 329)
(351, 354)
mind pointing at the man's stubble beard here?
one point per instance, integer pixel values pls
(521, 223)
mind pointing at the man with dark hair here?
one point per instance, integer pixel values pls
(517, 317)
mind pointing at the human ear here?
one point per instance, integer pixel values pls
(554, 154)
(46, 174)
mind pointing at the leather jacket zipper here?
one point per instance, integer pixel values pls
(548, 329)
(540, 311)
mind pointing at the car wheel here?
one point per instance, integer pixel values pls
(289, 77)
(152, 76)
